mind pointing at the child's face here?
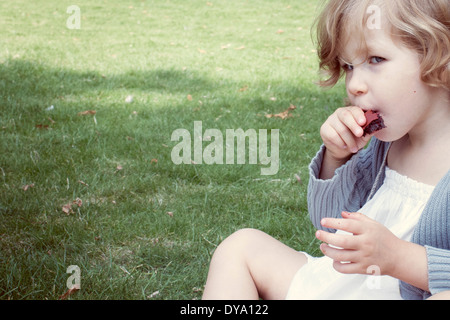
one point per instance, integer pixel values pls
(387, 79)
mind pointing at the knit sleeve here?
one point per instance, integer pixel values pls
(438, 269)
(438, 276)
(350, 186)
(433, 232)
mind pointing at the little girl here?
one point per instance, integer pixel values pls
(382, 211)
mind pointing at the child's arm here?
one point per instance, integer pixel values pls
(350, 179)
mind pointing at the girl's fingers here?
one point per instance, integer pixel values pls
(339, 255)
(338, 240)
(336, 134)
(351, 118)
(343, 131)
(351, 223)
(348, 268)
(347, 137)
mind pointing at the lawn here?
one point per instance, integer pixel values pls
(87, 113)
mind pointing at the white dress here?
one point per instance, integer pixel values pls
(398, 205)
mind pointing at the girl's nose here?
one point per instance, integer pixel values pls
(356, 85)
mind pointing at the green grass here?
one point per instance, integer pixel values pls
(236, 60)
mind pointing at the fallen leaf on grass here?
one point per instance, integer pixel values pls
(67, 208)
(129, 99)
(283, 115)
(42, 126)
(78, 202)
(124, 270)
(83, 113)
(169, 213)
(27, 186)
(154, 294)
(83, 183)
(45, 126)
(69, 292)
(189, 97)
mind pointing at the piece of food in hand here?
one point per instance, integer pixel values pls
(374, 122)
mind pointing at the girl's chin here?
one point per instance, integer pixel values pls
(386, 135)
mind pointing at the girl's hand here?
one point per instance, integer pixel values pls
(342, 134)
(369, 245)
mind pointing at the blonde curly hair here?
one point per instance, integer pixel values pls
(423, 26)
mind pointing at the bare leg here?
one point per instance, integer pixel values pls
(250, 264)
(445, 295)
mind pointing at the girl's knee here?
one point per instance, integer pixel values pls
(245, 235)
(444, 295)
(238, 242)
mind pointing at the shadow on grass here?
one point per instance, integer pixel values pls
(28, 88)
(25, 81)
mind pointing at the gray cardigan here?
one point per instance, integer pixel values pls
(356, 182)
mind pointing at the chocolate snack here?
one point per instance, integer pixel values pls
(374, 122)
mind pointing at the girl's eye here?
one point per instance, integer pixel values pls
(375, 60)
(347, 67)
